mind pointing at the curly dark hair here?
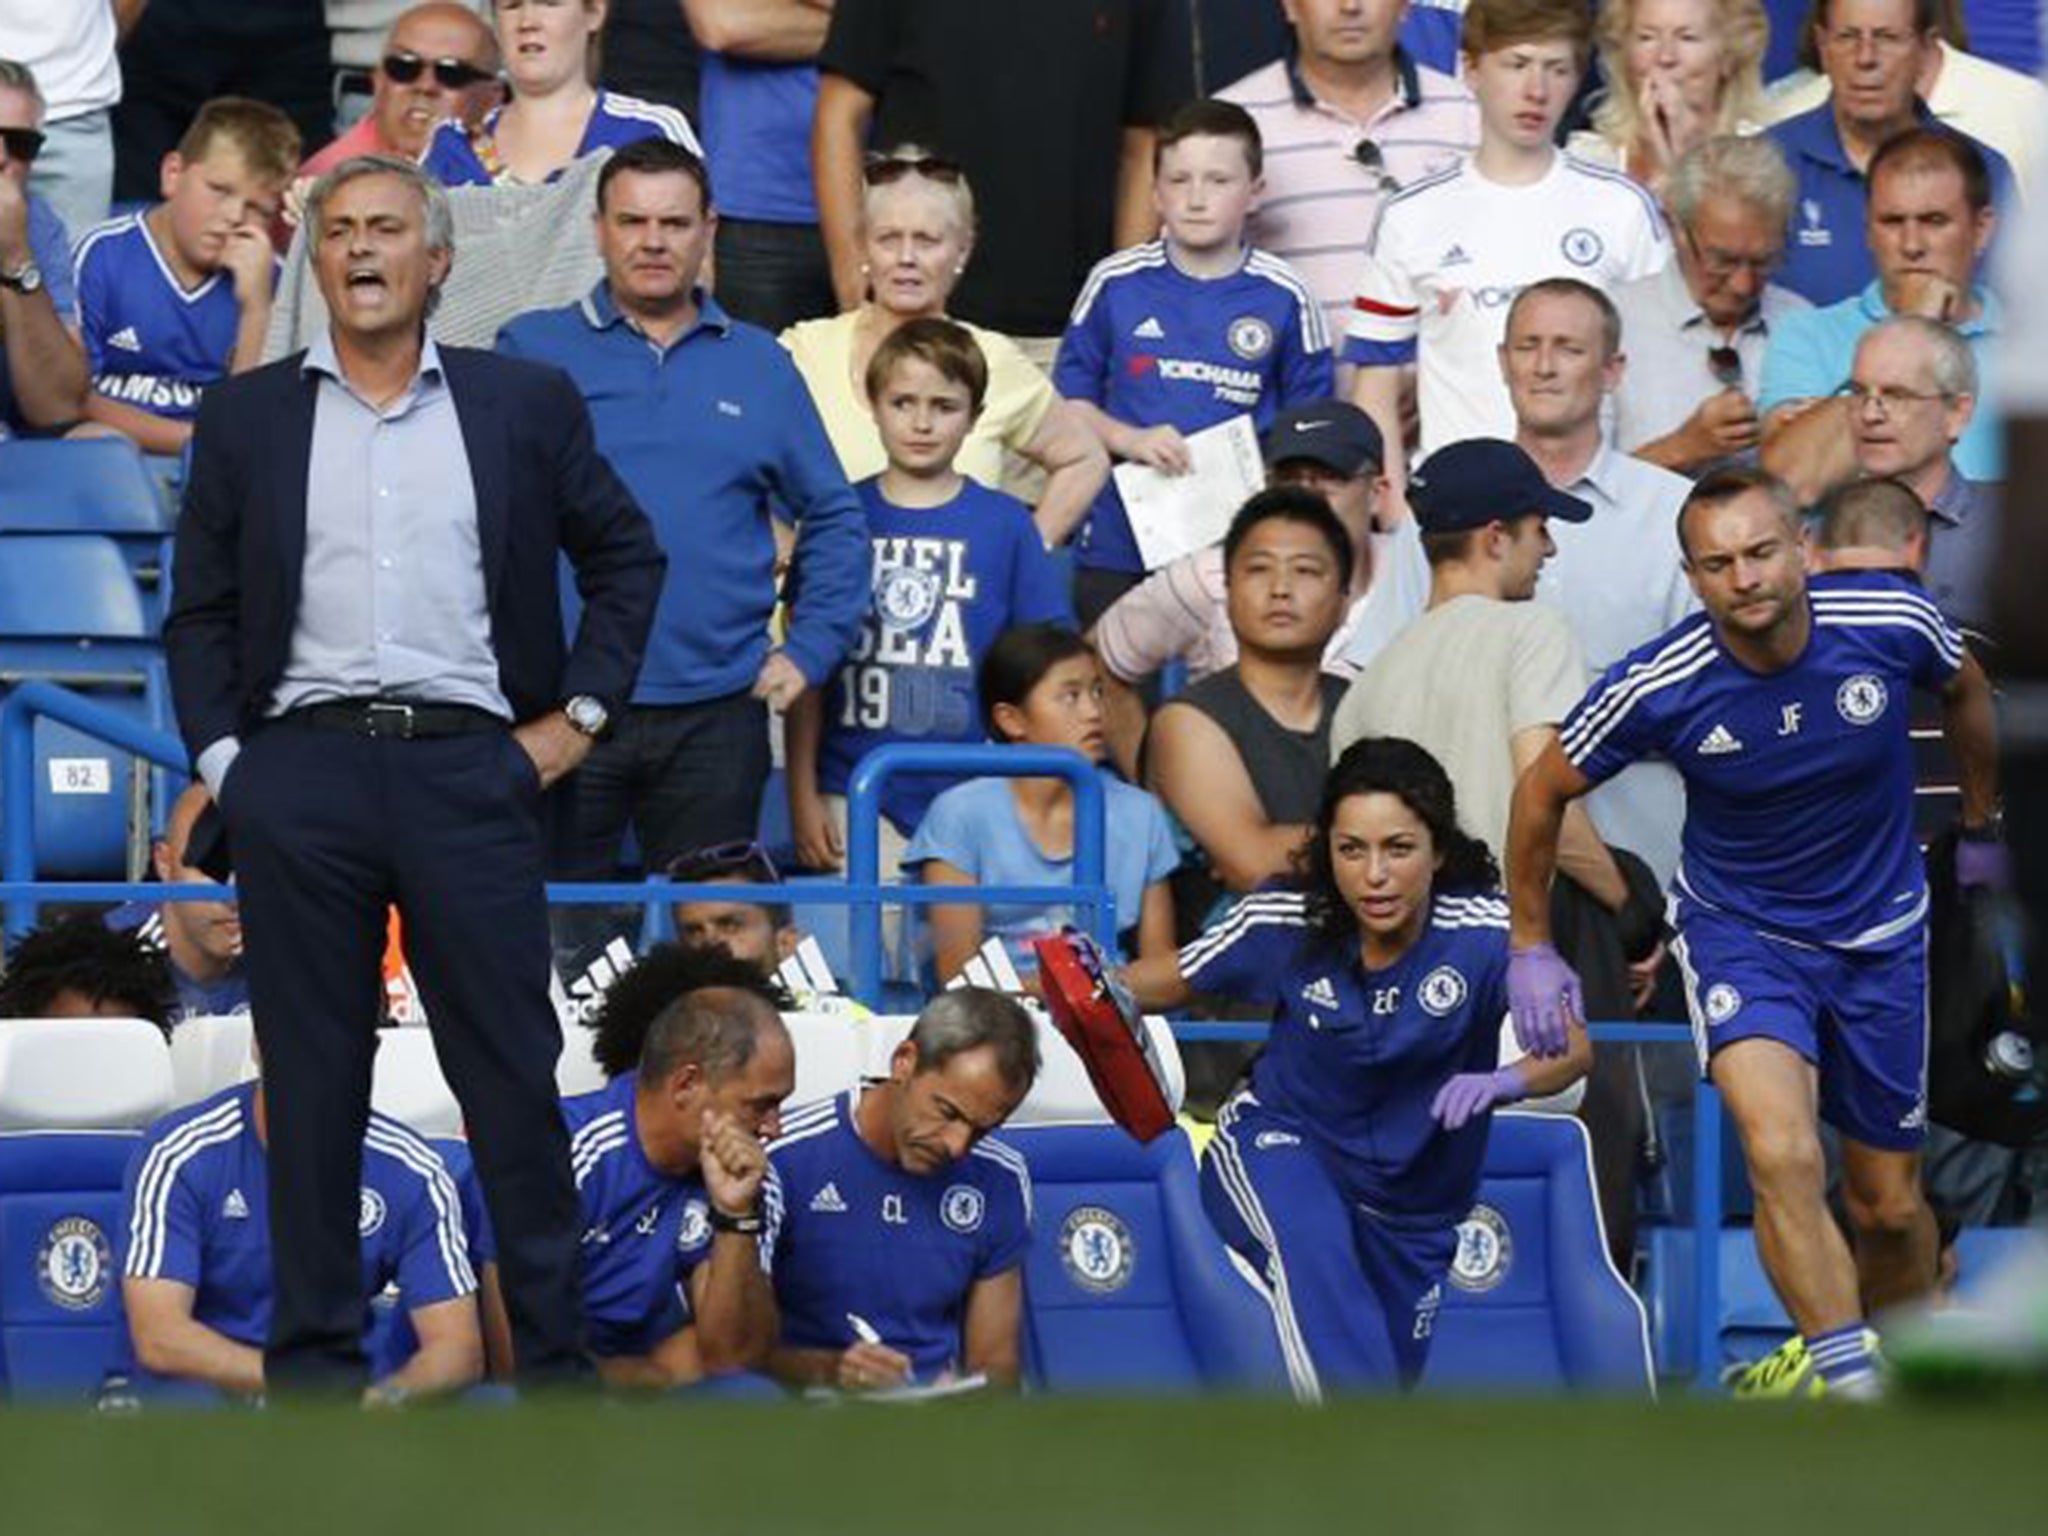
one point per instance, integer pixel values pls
(633, 1002)
(82, 954)
(1389, 765)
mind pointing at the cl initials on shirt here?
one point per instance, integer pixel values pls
(892, 1211)
(1386, 1001)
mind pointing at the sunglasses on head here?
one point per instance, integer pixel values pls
(404, 68)
(23, 144)
(1725, 363)
(724, 861)
(880, 170)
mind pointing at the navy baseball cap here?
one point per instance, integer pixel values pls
(1333, 433)
(1484, 480)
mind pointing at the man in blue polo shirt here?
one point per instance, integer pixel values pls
(1930, 221)
(43, 375)
(710, 425)
(1874, 53)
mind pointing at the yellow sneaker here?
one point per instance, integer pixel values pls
(1786, 1371)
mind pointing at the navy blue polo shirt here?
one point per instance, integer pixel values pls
(715, 434)
(1827, 255)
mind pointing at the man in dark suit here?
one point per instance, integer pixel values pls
(367, 656)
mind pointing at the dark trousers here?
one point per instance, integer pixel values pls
(171, 65)
(773, 275)
(327, 830)
(683, 775)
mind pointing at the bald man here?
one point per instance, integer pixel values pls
(201, 939)
(439, 60)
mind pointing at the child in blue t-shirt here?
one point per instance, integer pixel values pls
(1185, 331)
(1041, 686)
(173, 298)
(955, 564)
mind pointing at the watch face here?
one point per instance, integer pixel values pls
(587, 715)
(27, 280)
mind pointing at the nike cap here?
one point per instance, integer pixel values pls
(1333, 433)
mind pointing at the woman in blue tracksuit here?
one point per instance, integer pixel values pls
(1341, 1170)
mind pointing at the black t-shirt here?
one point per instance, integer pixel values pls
(648, 52)
(1031, 96)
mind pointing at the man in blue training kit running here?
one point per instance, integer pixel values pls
(1800, 901)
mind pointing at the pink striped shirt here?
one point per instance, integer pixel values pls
(1321, 201)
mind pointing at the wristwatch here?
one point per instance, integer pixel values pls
(748, 1223)
(25, 279)
(588, 715)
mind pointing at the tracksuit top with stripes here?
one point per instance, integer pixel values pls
(644, 1231)
(1798, 783)
(615, 121)
(196, 1209)
(1356, 1057)
(864, 1238)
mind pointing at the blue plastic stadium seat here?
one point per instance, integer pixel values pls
(74, 1095)
(1126, 1287)
(1532, 1302)
(69, 586)
(91, 485)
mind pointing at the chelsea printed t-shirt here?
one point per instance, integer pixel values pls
(644, 1231)
(196, 1209)
(862, 1237)
(1798, 783)
(946, 581)
(150, 342)
(456, 159)
(1152, 346)
(1356, 1057)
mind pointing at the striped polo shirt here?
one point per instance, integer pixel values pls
(1322, 200)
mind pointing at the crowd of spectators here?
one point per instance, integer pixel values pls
(903, 306)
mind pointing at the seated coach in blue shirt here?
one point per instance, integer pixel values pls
(710, 425)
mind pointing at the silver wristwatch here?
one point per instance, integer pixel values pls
(25, 279)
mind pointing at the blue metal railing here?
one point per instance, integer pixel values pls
(863, 891)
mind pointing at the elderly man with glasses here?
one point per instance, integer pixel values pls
(439, 61)
(1698, 329)
(42, 362)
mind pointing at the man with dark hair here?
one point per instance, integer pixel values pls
(679, 1204)
(1240, 757)
(639, 995)
(1875, 54)
(900, 1257)
(709, 423)
(1800, 903)
(80, 969)
(202, 940)
(1930, 225)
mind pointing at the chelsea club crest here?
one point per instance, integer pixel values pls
(73, 1264)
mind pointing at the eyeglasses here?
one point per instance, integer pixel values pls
(1719, 263)
(1368, 155)
(724, 861)
(23, 144)
(1725, 363)
(881, 170)
(1889, 398)
(404, 68)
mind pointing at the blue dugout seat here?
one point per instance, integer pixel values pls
(95, 485)
(75, 1097)
(1533, 1303)
(1127, 1287)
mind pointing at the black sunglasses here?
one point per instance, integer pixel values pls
(404, 68)
(1725, 363)
(1368, 155)
(749, 861)
(23, 144)
(880, 170)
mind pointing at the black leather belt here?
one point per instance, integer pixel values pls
(395, 718)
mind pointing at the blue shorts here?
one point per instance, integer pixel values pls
(1860, 1018)
(1354, 1292)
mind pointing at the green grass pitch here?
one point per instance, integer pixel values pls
(1050, 1467)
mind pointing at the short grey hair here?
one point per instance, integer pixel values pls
(1751, 169)
(16, 76)
(968, 1018)
(1875, 514)
(715, 1028)
(958, 195)
(433, 196)
(1949, 358)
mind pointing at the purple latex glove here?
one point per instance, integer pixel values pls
(1982, 863)
(1471, 1094)
(1542, 992)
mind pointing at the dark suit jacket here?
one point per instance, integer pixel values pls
(542, 489)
